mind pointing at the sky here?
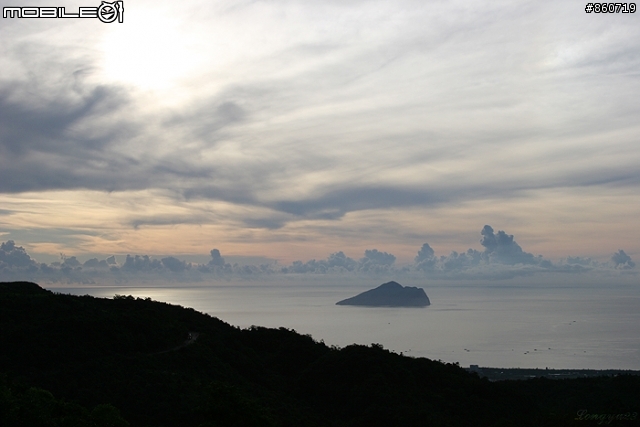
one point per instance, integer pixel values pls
(297, 130)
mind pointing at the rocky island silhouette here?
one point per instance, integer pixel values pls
(68, 360)
(390, 294)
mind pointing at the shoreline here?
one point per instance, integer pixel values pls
(502, 374)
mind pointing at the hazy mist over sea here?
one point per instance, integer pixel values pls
(501, 307)
(523, 323)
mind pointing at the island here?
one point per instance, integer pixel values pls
(71, 360)
(390, 294)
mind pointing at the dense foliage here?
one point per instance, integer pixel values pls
(84, 361)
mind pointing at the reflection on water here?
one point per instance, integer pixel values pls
(588, 328)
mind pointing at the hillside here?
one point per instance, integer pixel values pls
(80, 360)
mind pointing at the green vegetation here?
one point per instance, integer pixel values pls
(84, 361)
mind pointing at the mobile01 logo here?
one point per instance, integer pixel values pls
(106, 12)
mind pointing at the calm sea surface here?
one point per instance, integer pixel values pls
(557, 327)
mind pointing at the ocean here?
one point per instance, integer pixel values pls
(559, 327)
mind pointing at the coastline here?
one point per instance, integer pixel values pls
(503, 374)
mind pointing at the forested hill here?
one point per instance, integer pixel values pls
(84, 361)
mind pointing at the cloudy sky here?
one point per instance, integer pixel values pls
(296, 129)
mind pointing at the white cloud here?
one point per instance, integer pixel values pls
(288, 117)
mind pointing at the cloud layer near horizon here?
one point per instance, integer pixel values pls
(502, 258)
(272, 126)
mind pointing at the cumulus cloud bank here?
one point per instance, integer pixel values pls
(622, 260)
(15, 258)
(311, 111)
(501, 258)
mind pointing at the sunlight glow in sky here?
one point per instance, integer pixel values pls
(293, 130)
